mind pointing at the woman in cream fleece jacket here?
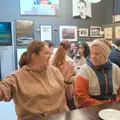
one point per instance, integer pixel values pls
(37, 88)
(99, 79)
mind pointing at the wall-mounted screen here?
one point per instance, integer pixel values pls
(39, 7)
(7, 62)
(5, 33)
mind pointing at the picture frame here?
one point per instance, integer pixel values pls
(68, 33)
(95, 31)
(78, 13)
(116, 18)
(24, 32)
(46, 32)
(83, 32)
(108, 32)
(117, 32)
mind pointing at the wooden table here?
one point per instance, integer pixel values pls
(89, 113)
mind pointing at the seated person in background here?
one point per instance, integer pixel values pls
(51, 46)
(61, 54)
(72, 51)
(82, 53)
(37, 88)
(115, 53)
(99, 79)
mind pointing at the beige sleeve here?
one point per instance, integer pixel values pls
(8, 87)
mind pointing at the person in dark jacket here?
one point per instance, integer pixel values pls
(115, 53)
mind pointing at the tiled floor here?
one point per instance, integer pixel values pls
(7, 111)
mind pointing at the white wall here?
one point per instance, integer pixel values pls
(7, 60)
(7, 111)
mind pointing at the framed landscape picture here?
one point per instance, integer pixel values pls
(68, 33)
(24, 32)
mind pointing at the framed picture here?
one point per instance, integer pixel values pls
(68, 33)
(117, 32)
(83, 32)
(95, 31)
(24, 32)
(108, 33)
(46, 32)
(39, 7)
(82, 9)
(116, 18)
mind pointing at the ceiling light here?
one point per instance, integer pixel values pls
(94, 1)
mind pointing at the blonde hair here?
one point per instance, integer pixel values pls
(104, 45)
(59, 57)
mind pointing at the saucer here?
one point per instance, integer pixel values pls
(109, 114)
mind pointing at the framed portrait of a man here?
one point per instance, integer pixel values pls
(82, 9)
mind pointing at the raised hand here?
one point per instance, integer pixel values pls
(67, 70)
